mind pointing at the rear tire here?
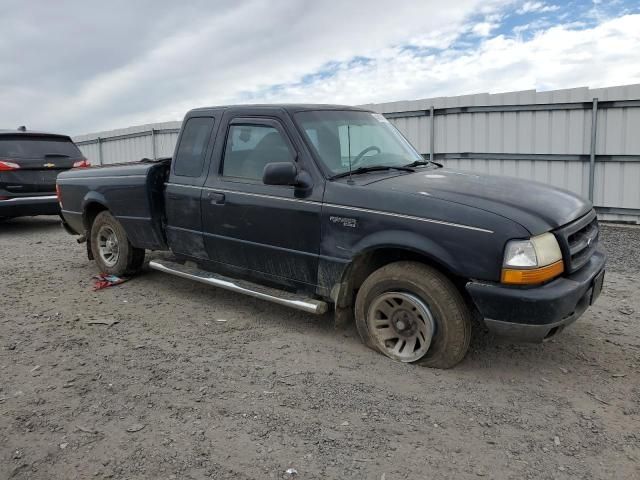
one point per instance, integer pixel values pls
(111, 248)
(411, 312)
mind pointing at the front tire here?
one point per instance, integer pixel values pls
(411, 312)
(111, 248)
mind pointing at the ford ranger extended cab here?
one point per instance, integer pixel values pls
(319, 207)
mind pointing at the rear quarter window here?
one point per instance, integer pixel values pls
(32, 146)
(193, 146)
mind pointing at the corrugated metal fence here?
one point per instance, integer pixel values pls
(153, 140)
(584, 140)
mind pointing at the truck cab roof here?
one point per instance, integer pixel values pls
(288, 107)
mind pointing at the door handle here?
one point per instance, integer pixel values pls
(215, 198)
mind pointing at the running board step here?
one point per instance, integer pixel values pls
(274, 295)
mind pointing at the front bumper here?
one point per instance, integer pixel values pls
(27, 206)
(536, 313)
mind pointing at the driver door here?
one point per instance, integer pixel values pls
(268, 230)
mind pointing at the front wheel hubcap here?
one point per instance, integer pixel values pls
(402, 325)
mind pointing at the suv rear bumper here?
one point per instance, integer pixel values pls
(26, 206)
(535, 313)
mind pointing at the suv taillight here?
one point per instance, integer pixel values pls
(7, 166)
(84, 163)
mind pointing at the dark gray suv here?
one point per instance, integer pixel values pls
(29, 165)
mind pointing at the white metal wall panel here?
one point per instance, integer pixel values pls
(90, 151)
(573, 176)
(619, 131)
(559, 132)
(129, 144)
(126, 150)
(165, 144)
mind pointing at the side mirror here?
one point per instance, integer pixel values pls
(285, 173)
(279, 173)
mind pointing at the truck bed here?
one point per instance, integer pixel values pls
(132, 192)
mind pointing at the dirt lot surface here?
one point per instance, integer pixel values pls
(195, 382)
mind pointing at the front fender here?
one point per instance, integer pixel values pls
(338, 278)
(411, 241)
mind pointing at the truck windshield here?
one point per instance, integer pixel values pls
(362, 139)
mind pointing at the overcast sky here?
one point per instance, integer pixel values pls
(82, 66)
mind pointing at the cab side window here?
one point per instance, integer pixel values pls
(193, 145)
(250, 147)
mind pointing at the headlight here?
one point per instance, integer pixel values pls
(532, 261)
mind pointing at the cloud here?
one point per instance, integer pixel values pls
(537, 7)
(483, 29)
(559, 57)
(86, 66)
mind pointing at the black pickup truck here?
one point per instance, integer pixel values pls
(318, 207)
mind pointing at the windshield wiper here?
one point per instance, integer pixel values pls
(56, 155)
(373, 168)
(420, 163)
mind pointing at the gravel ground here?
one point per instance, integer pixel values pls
(195, 382)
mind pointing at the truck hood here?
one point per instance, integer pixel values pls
(536, 206)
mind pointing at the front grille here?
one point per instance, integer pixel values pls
(578, 240)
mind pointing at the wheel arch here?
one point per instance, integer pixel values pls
(93, 204)
(90, 213)
(381, 249)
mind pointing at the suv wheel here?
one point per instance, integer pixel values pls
(411, 312)
(111, 248)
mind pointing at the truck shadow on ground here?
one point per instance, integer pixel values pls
(29, 224)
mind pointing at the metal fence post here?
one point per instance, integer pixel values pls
(153, 143)
(592, 155)
(432, 134)
(99, 151)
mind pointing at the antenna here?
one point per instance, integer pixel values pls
(22, 128)
(350, 181)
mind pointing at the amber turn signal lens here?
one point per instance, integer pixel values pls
(532, 276)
